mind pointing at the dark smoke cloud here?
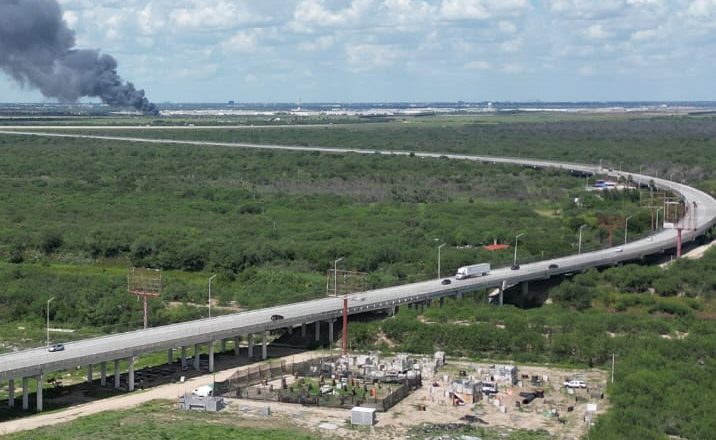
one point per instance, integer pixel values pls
(37, 49)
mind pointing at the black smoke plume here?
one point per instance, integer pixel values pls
(37, 48)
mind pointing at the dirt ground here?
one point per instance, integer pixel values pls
(397, 422)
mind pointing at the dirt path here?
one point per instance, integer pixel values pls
(168, 391)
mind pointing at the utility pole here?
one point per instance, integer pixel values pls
(580, 238)
(439, 247)
(514, 261)
(210, 278)
(48, 320)
(344, 341)
(612, 367)
(335, 276)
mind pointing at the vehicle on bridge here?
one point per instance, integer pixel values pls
(475, 270)
(55, 347)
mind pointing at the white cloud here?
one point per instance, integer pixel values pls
(479, 65)
(371, 56)
(481, 9)
(318, 44)
(241, 42)
(597, 32)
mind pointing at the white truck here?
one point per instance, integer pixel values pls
(475, 270)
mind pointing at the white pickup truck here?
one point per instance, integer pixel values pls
(575, 384)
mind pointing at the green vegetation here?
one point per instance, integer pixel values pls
(665, 342)
(159, 420)
(681, 145)
(77, 213)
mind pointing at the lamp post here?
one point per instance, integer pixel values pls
(439, 247)
(580, 238)
(210, 278)
(335, 276)
(657, 217)
(626, 228)
(48, 319)
(514, 261)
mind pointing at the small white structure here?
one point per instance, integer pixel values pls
(363, 416)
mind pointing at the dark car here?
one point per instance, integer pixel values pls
(445, 281)
(515, 267)
(553, 266)
(55, 347)
(276, 317)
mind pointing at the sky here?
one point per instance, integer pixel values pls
(401, 50)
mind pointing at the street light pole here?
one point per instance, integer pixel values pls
(210, 278)
(626, 228)
(657, 217)
(580, 238)
(439, 247)
(48, 320)
(514, 262)
(335, 276)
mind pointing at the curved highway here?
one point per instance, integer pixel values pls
(34, 362)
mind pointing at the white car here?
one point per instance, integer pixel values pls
(618, 250)
(575, 384)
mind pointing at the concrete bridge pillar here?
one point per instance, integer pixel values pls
(211, 356)
(442, 301)
(40, 381)
(290, 329)
(25, 394)
(237, 345)
(182, 358)
(264, 345)
(197, 356)
(170, 356)
(117, 375)
(330, 331)
(303, 330)
(130, 374)
(503, 287)
(103, 373)
(318, 330)
(459, 295)
(250, 338)
(525, 288)
(223, 345)
(89, 373)
(11, 393)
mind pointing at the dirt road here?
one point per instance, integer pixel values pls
(169, 391)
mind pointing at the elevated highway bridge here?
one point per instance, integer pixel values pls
(35, 363)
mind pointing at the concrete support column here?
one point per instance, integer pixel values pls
(250, 338)
(223, 345)
(317, 326)
(330, 331)
(25, 394)
(442, 301)
(197, 355)
(503, 287)
(459, 296)
(290, 330)
(170, 356)
(237, 345)
(89, 373)
(303, 330)
(117, 374)
(11, 393)
(182, 359)
(130, 374)
(525, 288)
(38, 394)
(211, 356)
(103, 373)
(264, 345)
(422, 307)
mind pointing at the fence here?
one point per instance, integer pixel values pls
(251, 383)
